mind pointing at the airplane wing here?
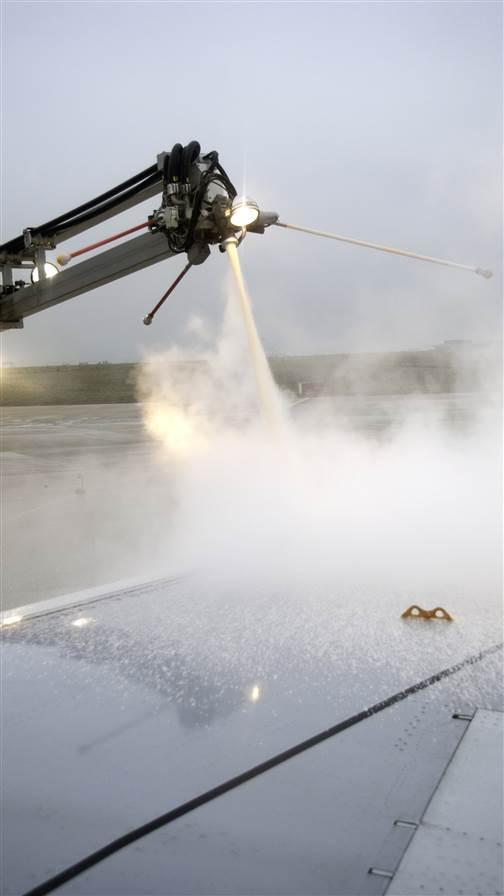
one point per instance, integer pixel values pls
(185, 737)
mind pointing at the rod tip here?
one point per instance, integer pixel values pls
(483, 273)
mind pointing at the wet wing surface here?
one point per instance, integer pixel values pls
(121, 710)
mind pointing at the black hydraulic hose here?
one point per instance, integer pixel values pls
(105, 206)
(206, 178)
(230, 186)
(162, 820)
(98, 199)
(172, 170)
(189, 155)
(212, 156)
(89, 210)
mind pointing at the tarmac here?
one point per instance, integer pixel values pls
(61, 474)
(80, 496)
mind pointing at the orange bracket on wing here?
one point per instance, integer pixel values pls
(416, 612)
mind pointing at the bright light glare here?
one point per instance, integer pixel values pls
(172, 426)
(244, 212)
(50, 271)
(254, 693)
(82, 621)
(11, 620)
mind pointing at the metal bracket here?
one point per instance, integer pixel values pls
(380, 872)
(404, 823)
(40, 258)
(416, 612)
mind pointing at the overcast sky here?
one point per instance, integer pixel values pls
(381, 120)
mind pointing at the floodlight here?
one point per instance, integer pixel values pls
(50, 271)
(244, 212)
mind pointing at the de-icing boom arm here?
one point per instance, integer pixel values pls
(199, 208)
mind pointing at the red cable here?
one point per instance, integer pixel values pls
(64, 259)
(148, 317)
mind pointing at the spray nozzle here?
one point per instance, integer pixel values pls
(233, 240)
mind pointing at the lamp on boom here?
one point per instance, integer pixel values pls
(244, 211)
(50, 271)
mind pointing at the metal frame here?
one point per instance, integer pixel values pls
(113, 264)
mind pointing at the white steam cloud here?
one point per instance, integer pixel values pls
(408, 516)
(313, 539)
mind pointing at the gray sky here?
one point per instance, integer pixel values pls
(382, 121)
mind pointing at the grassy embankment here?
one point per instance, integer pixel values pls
(432, 371)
